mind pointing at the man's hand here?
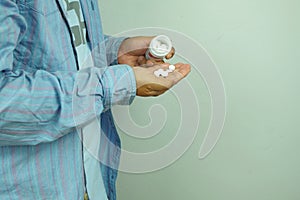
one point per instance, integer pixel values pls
(132, 52)
(148, 84)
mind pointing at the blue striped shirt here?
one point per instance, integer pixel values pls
(45, 100)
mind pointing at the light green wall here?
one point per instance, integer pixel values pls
(256, 46)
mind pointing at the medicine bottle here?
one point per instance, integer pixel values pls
(159, 47)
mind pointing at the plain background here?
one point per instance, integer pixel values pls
(256, 46)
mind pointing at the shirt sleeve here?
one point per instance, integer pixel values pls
(43, 106)
(112, 45)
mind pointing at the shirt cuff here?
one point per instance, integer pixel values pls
(112, 45)
(119, 86)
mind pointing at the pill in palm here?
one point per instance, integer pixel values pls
(164, 73)
(160, 70)
(172, 67)
(157, 73)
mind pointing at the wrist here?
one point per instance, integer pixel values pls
(122, 49)
(120, 85)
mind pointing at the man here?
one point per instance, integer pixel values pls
(52, 92)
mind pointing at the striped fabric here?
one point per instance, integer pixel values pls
(45, 100)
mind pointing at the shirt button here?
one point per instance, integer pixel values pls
(92, 4)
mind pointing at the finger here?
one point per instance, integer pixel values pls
(183, 69)
(157, 61)
(163, 65)
(141, 60)
(170, 54)
(147, 65)
(150, 63)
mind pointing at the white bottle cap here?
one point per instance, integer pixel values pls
(159, 47)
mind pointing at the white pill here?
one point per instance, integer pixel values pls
(157, 73)
(164, 74)
(172, 67)
(160, 70)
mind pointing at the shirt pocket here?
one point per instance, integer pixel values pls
(43, 7)
(46, 43)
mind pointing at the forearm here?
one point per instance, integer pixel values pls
(43, 106)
